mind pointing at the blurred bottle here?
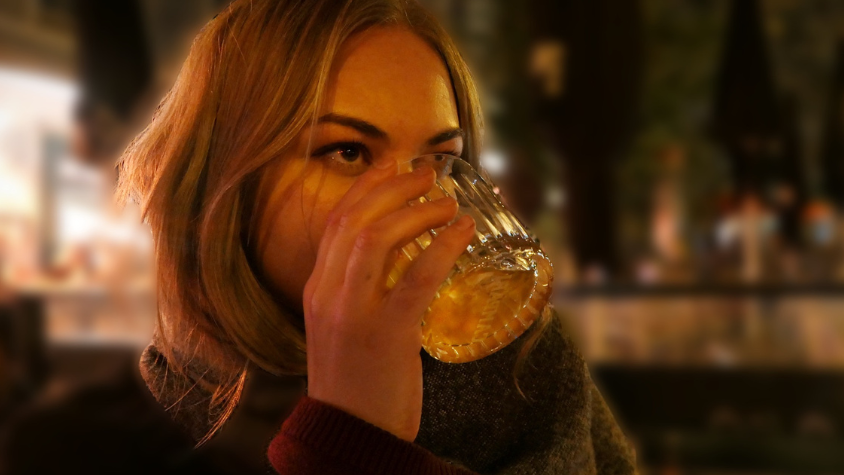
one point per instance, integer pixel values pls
(756, 225)
(820, 227)
(668, 216)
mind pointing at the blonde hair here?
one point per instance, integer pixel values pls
(251, 83)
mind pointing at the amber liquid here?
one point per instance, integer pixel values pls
(489, 299)
(476, 303)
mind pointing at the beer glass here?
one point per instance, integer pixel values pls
(498, 286)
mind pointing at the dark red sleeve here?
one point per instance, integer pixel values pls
(320, 439)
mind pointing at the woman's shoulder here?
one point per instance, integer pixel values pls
(187, 394)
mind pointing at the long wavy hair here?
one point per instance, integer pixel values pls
(252, 82)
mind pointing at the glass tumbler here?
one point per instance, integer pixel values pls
(498, 286)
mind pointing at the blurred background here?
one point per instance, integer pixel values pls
(682, 161)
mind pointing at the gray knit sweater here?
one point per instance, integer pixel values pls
(473, 414)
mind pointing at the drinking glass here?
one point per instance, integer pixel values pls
(498, 286)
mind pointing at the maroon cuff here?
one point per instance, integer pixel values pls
(348, 443)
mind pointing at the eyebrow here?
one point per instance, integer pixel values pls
(446, 136)
(360, 125)
(370, 130)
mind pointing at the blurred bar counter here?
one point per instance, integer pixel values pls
(712, 290)
(721, 326)
(93, 313)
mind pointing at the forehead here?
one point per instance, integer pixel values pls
(393, 79)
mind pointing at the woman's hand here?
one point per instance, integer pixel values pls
(363, 340)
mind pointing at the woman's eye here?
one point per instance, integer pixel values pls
(346, 158)
(349, 154)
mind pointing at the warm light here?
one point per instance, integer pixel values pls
(555, 197)
(494, 162)
(20, 81)
(15, 195)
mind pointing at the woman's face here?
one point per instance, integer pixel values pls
(389, 99)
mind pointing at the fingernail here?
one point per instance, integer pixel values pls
(445, 202)
(422, 171)
(465, 222)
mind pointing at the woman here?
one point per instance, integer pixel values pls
(270, 179)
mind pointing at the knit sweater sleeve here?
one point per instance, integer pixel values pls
(320, 439)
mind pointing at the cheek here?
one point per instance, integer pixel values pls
(294, 205)
(281, 246)
(325, 195)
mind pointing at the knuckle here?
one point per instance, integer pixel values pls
(310, 299)
(343, 222)
(333, 219)
(368, 239)
(308, 293)
(416, 278)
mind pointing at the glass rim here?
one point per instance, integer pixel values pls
(441, 167)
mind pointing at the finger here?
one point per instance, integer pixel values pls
(416, 289)
(344, 229)
(385, 198)
(376, 244)
(364, 184)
